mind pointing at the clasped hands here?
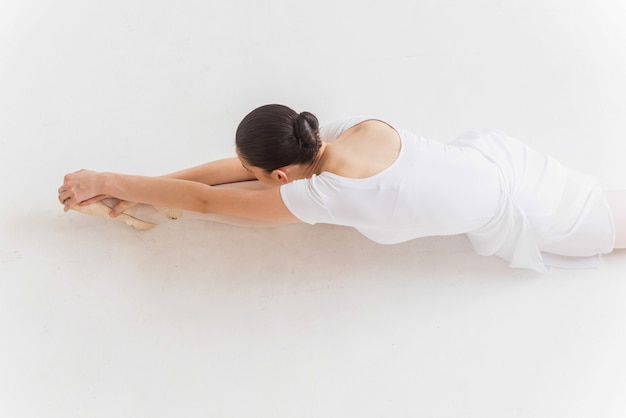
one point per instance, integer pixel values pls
(83, 188)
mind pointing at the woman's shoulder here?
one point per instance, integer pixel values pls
(364, 150)
(330, 132)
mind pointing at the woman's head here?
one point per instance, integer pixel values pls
(275, 136)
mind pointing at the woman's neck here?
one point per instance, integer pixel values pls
(317, 166)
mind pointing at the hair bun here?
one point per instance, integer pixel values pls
(306, 130)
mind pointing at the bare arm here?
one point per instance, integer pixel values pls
(264, 205)
(217, 172)
(224, 171)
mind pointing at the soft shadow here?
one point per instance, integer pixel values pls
(211, 254)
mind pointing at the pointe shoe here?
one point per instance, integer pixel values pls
(102, 210)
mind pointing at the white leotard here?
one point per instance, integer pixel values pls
(508, 199)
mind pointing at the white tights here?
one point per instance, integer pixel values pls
(617, 202)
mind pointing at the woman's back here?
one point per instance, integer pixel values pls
(397, 187)
(363, 150)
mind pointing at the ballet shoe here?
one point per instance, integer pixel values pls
(102, 210)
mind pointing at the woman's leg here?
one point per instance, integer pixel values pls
(617, 202)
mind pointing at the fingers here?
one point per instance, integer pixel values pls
(68, 202)
(94, 199)
(66, 196)
(65, 199)
(74, 189)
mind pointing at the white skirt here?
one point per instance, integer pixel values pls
(549, 216)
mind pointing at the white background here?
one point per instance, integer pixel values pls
(197, 319)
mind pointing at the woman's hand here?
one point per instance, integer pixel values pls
(81, 186)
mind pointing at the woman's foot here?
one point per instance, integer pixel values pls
(103, 208)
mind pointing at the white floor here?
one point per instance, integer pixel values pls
(204, 320)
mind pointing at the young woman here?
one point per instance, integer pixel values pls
(389, 184)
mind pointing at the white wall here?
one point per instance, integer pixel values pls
(204, 320)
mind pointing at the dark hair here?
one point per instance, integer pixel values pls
(275, 136)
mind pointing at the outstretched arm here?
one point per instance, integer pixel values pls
(264, 205)
(224, 171)
(217, 172)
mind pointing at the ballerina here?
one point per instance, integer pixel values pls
(390, 184)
